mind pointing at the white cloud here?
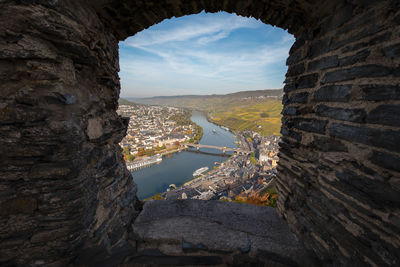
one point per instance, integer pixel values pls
(212, 29)
(194, 55)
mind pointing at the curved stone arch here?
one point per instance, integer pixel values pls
(128, 18)
(338, 171)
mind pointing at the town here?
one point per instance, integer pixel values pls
(241, 177)
(155, 131)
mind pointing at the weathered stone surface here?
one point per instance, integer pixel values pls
(385, 195)
(213, 226)
(323, 63)
(296, 70)
(355, 115)
(339, 18)
(289, 87)
(290, 133)
(25, 205)
(381, 92)
(357, 58)
(328, 144)
(386, 160)
(385, 114)
(368, 31)
(366, 71)
(290, 111)
(307, 81)
(50, 91)
(298, 98)
(368, 136)
(376, 40)
(294, 57)
(334, 93)
(396, 71)
(319, 48)
(310, 125)
(392, 51)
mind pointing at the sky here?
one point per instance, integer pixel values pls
(206, 53)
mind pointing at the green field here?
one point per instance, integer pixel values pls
(261, 116)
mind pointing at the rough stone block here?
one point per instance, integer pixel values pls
(285, 99)
(339, 18)
(300, 41)
(298, 98)
(382, 193)
(323, 63)
(337, 43)
(357, 58)
(333, 93)
(289, 87)
(307, 81)
(396, 71)
(294, 58)
(310, 125)
(385, 114)
(319, 47)
(214, 226)
(290, 111)
(295, 70)
(380, 92)
(376, 40)
(49, 235)
(290, 133)
(369, 136)
(363, 168)
(49, 170)
(392, 51)
(366, 71)
(354, 115)
(328, 144)
(386, 160)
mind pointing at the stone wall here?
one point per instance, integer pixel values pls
(339, 182)
(63, 183)
(65, 188)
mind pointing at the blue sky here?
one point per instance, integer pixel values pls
(207, 53)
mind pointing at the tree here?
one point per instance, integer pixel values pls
(126, 150)
(130, 157)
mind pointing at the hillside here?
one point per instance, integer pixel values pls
(262, 116)
(257, 111)
(122, 101)
(208, 102)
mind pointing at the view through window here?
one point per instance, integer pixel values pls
(204, 96)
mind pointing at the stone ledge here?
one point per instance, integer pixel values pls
(213, 228)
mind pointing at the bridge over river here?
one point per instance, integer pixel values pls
(224, 149)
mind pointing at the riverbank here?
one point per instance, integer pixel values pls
(242, 178)
(178, 165)
(180, 119)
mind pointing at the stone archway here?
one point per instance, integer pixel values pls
(65, 187)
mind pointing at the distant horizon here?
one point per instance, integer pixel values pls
(203, 54)
(133, 97)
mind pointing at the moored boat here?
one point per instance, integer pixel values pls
(200, 171)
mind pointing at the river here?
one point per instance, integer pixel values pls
(178, 168)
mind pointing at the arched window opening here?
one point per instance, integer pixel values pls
(211, 84)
